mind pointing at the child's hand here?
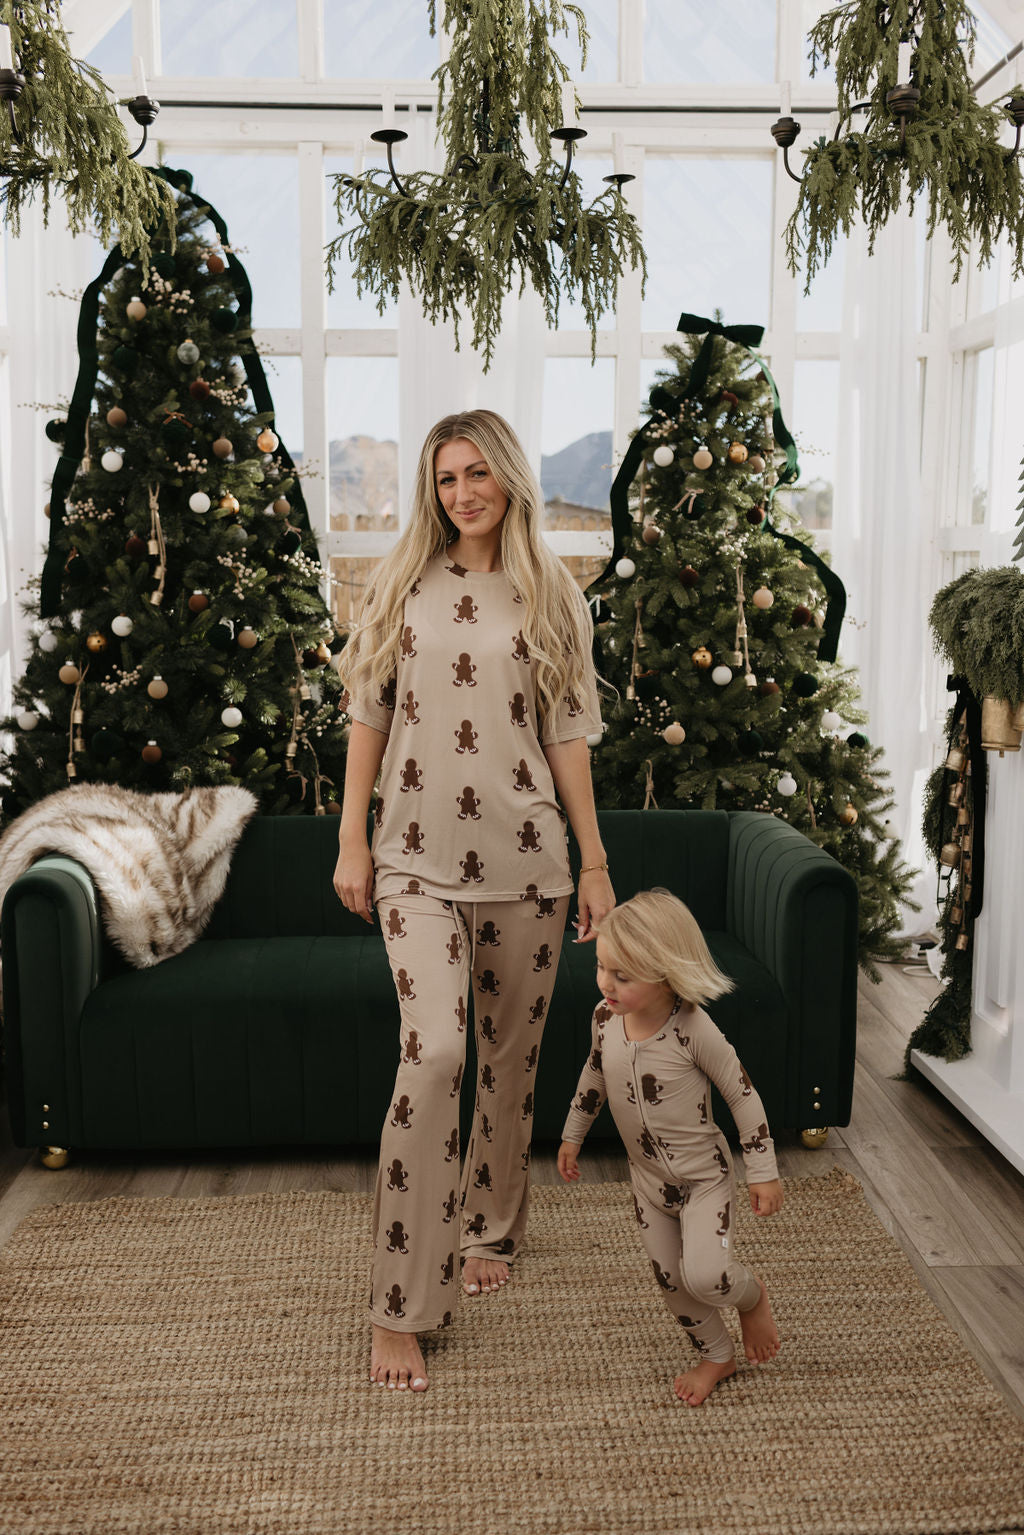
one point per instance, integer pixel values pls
(766, 1198)
(568, 1151)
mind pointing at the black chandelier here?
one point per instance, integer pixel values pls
(142, 106)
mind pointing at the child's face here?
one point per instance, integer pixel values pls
(622, 992)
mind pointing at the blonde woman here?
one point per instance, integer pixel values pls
(472, 692)
(655, 1054)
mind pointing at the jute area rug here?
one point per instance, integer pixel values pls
(199, 1367)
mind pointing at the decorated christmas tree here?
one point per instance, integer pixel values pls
(181, 636)
(717, 622)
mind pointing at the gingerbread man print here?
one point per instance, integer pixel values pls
(448, 1269)
(520, 649)
(378, 813)
(575, 707)
(476, 1227)
(413, 838)
(396, 1178)
(449, 1207)
(409, 708)
(489, 984)
(487, 1029)
(723, 1219)
(465, 738)
(523, 777)
(405, 984)
(396, 1236)
(412, 888)
(483, 1178)
(469, 804)
(465, 610)
(638, 1212)
(661, 1276)
(748, 1086)
(531, 1059)
(757, 1140)
(486, 1127)
(412, 1049)
(518, 710)
(651, 1088)
(460, 1015)
(402, 1116)
(528, 1106)
(464, 669)
(411, 777)
(396, 1301)
(588, 1102)
(452, 1145)
(456, 1082)
(672, 1196)
(720, 1159)
(454, 949)
(457, 569)
(529, 838)
(542, 958)
(408, 641)
(396, 924)
(472, 869)
(487, 1078)
(489, 934)
(388, 694)
(537, 1010)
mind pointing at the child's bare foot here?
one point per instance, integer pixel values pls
(697, 1384)
(760, 1334)
(482, 1275)
(396, 1360)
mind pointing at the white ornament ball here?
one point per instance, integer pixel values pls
(663, 455)
(27, 720)
(786, 785)
(48, 641)
(596, 738)
(625, 568)
(199, 501)
(231, 717)
(830, 721)
(674, 734)
(112, 461)
(721, 675)
(763, 598)
(122, 626)
(188, 353)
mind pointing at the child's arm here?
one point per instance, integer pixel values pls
(719, 1062)
(765, 1198)
(590, 1095)
(568, 1152)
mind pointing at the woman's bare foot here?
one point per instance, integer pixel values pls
(396, 1361)
(482, 1275)
(760, 1334)
(697, 1384)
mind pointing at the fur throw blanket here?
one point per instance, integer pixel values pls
(159, 861)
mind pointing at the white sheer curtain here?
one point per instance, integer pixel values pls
(436, 380)
(880, 533)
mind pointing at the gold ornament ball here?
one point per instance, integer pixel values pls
(157, 688)
(267, 441)
(198, 602)
(763, 598)
(136, 310)
(69, 673)
(848, 814)
(151, 752)
(229, 502)
(701, 658)
(674, 734)
(737, 453)
(702, 459)
(116, 417)
(323, 652)
(651, 533)
(96, 643)
(223, 447)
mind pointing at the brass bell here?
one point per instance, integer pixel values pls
(955, 759)
(962, 942)
(950, 855)
(956, 792)
(965, 842)
(963, 816)
(956, 914)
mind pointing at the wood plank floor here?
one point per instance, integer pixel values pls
(954, 1205)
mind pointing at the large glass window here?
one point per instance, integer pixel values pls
(112, 55)
(814, 423)
(689, 40)
(591, 169)
(345, 309)
(365, 41)
(981, 435)
(250, 39)
(284, 379)
(362, 432)
(602, 18)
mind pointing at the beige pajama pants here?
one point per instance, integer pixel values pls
(504, 955)
(687, 1231)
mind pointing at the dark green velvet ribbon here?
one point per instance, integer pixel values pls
(666, 401)
(85, 388)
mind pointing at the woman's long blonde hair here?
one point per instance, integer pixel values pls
(557, 626)
(654, 937)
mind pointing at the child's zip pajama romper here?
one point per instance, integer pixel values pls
(472, 886)
(679, 1163)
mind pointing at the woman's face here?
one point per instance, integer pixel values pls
(468, 490)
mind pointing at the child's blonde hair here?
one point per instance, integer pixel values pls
(654, 937)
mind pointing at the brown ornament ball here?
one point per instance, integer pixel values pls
(157, 688)
(768, 687)
(848, 814)
(135, 547)
(755, 463)
(331, 807)
(46, 509)
(755, 516)
(151, 752)
(199, 389)
(198, 602)
(689, 577)
(702, 459)
(282, 506)
(267, 441)
(701, 658)
(96, 642)
(800, 617)
(215, 264)
(116, 417)
(69, 673)
(737, 453)
(223, 447)
(674, 734)
(247, 638)
(651, 533)
(136, 309)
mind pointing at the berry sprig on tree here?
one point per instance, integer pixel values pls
(710, 626)
(185, 640)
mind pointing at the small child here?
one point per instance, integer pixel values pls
(655, 1051)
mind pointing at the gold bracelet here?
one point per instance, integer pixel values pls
(592, 866)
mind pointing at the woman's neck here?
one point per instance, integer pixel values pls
(481, 555)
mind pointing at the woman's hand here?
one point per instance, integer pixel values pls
(568, 1151)
(353, 879)
(594, 900)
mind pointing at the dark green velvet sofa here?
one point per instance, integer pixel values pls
(279, 1026)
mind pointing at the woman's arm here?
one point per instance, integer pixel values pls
(569, 762)
(353, 874)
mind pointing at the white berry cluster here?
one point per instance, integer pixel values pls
(654, 714)
(86, 511)
(232, 397)
(117, 683)
(245, 576)
(159, 286)
(304, 567)
(192, 465)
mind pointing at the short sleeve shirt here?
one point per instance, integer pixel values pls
(467, 805)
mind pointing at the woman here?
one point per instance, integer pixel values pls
(470, 679)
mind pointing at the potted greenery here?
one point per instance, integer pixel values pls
(978, 625)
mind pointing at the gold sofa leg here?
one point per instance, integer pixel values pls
(815, 1139)
(54, 1156)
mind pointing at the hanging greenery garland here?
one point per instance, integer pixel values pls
(950, 157)
(479, 232)
(73, 144)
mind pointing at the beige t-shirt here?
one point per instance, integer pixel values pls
(467, 804)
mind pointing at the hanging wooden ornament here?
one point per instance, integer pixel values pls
(157, 546)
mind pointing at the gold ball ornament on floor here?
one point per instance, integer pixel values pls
(69, 673)
(96, 642)
(701, 658)
(223, 447)
(54, 1157)
(848, 814)
(737, 453)
(814, 1139)
(151, 752)
(702, 459)
(116, 417)
(267, 441)
(157, 688)
(674, 734)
